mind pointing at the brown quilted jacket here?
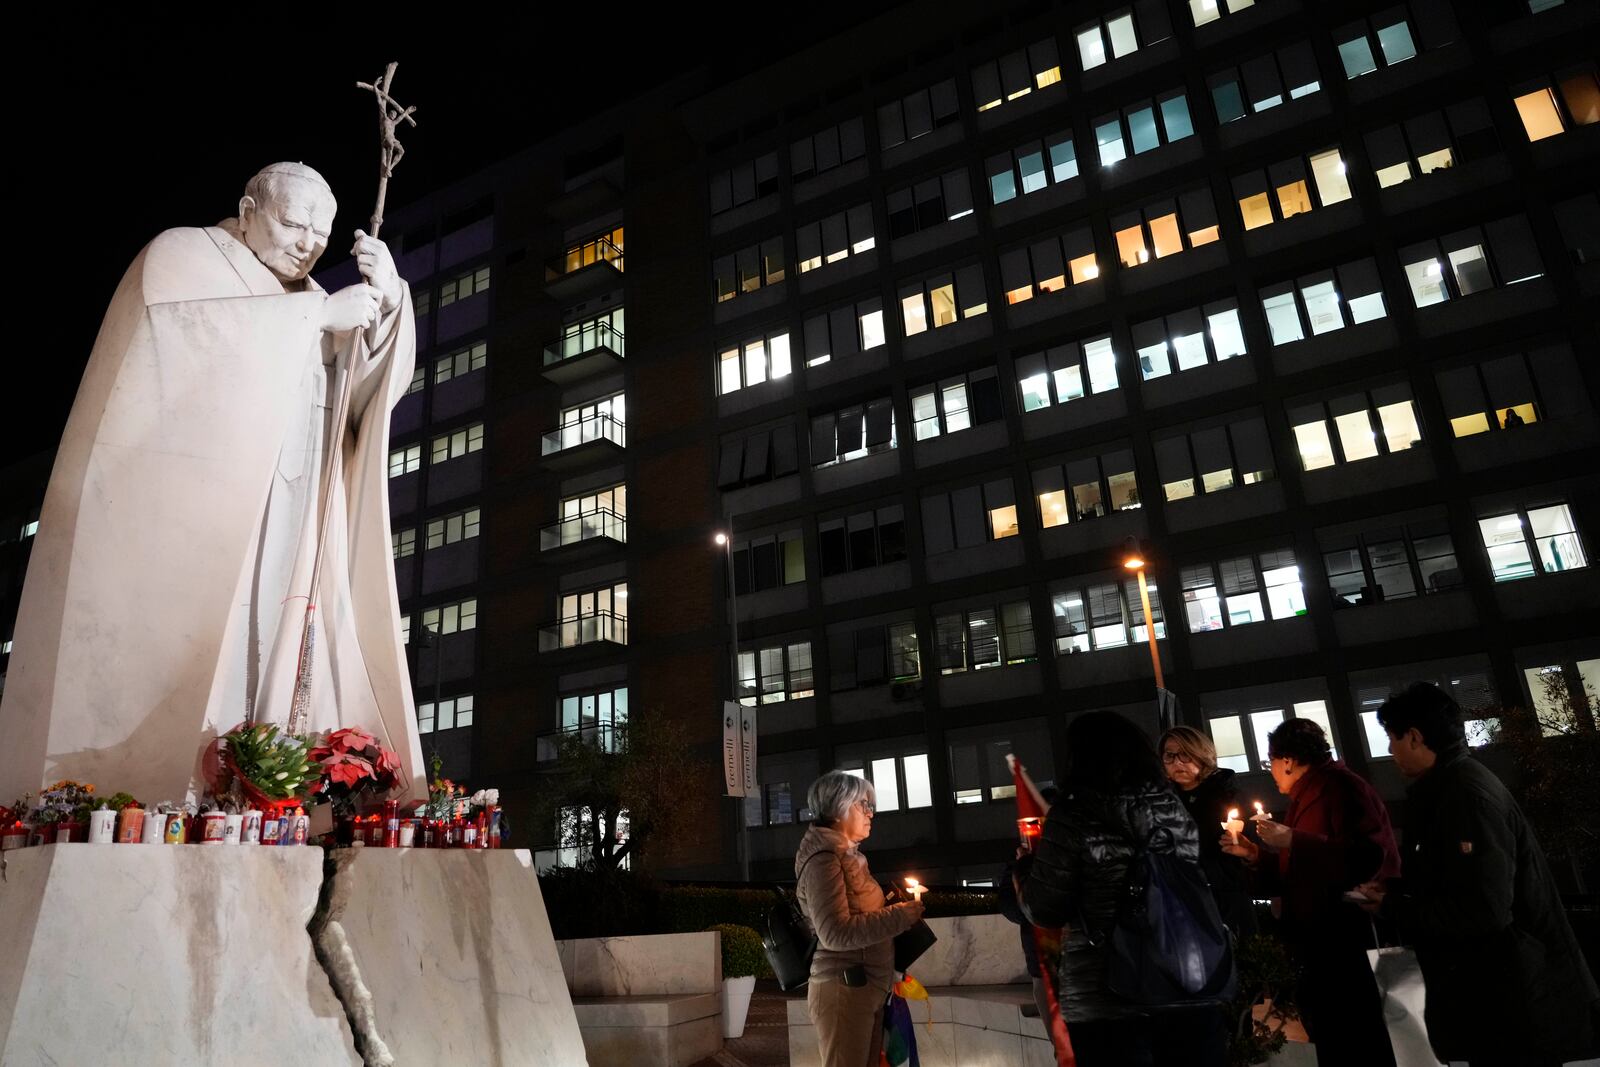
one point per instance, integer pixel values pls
(846, 909)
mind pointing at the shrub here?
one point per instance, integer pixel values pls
(741, 952)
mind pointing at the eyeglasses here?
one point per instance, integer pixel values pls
(867, 807)
(1176, 757)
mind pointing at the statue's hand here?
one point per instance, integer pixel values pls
(377, 267)
(353, 307)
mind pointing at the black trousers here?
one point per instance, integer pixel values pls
(1339, 1001)
(1187, 1037)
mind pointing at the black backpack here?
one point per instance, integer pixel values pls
(1168, 944)
(788, 940)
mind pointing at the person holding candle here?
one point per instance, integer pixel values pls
(1506, 980)
(1114, 805)
(852, 970)
(1210, 796)
(1335, 836)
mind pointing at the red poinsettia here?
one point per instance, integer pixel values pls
(352, 762)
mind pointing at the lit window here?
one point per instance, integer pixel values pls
(1323, 302)
(403, 543)
(1383, 40)
(753, 362)
(775, 674)
(835, 238)
(1514, 540)
(749, 269)
(942, 300)
(844, 331)
(928, 203)
(1104, 615)
(1016, 74)
(474, 358)
(458, 443)
(405, 460)
(1230, 593)
(853, 433)
(1391, 563)
(1213, 459)
(1355, 424)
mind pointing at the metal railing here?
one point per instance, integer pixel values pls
(602, 522)
(582, 338)
(600, 735)
(600, 250)
(577, 630)
(600, 427)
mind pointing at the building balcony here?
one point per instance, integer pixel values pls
(583, 350)
(594, 438)
(602, 736)
(583, 272)
(596, 529)
(605, 627)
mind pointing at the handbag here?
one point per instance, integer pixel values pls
(909, 945)
(1399, 979)
(787, 939)
(1168, 944)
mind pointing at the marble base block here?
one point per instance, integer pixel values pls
(136, 954)
(447, 957)
(658, 1031)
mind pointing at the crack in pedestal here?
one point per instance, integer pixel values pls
(338, 962)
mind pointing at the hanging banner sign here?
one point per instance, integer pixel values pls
(732, 770)
(747, 751)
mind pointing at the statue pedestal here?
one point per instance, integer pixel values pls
(202, 954)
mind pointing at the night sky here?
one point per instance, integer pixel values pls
(126, 124)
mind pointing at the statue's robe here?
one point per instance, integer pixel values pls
(170, 573)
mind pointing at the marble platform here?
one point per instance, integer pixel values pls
(651, 1001)
(160, 954)
(447, 956)
(145, 954)
(972, 950)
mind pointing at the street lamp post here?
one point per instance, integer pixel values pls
(724, 540)
(1134, 561)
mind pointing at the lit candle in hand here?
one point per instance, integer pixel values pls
(1262, 812)
(1234, 824)
(916, 889)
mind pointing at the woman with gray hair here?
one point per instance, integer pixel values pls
(853, 968)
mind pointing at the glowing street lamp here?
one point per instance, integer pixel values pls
(1133, 560)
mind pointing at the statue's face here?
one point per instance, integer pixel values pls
(289, 233)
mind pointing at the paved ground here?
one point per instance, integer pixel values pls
(766, 1033)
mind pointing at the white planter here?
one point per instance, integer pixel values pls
(736, 994)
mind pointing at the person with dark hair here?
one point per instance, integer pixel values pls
(1115, 805)
(1335, 837)
(1506, 980)
(1189, 760)
(1006, 899)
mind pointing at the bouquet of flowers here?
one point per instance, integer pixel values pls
(352, 763)
(65, 801)
(261, 768)
(443, 799)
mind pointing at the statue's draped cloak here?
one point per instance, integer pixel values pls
(168, 578)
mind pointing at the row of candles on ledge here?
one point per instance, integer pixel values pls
(284, 826)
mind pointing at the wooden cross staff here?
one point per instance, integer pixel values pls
(390, 115)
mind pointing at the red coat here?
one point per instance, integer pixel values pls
(1342, 838)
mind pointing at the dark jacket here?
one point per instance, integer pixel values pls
(1504, 974)
(1006, 899)
(1079, 875)
(1342, 838)
(846, 909)
(1208, 804)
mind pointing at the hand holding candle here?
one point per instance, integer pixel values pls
(916, 889)
(1234, 825)
(1261, 811)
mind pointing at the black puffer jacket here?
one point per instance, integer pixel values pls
(1079, 874)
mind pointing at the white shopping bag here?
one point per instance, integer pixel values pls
(1399, 979)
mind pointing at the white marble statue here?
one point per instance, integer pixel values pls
(169, 578)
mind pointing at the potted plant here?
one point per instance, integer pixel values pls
(742, 960)
(350, 764)
(63, 811)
